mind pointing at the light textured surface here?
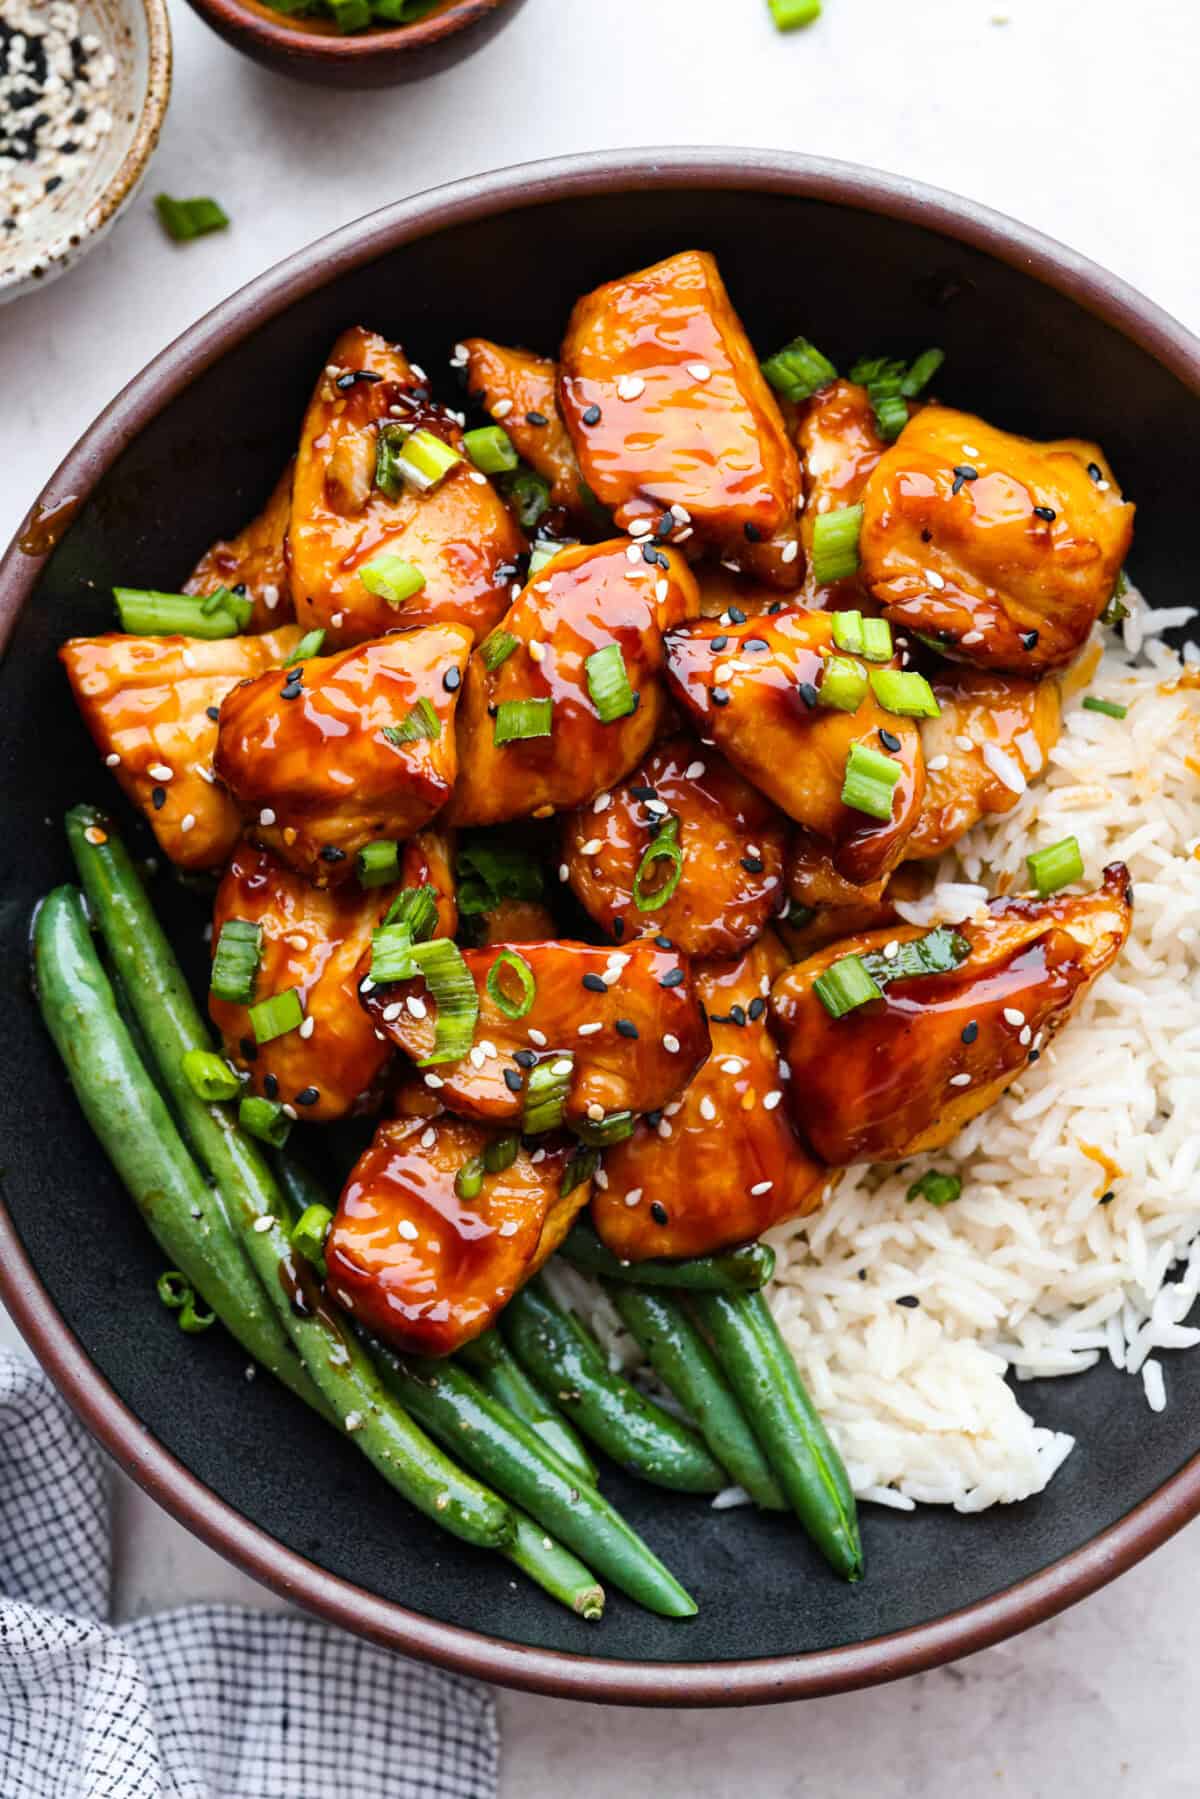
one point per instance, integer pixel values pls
(1081, 120)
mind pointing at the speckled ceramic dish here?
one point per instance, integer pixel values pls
(85, 163)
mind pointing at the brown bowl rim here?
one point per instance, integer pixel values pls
(356, 47)
(746, 1682)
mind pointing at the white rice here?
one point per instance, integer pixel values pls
(1028, 1271)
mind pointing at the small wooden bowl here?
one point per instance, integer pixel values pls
(320, 54)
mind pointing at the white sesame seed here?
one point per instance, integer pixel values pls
(1026, 1037)
(266, 816)
(428, 1137)
(563, 1066)
(724, 671)
(602, 802)
(772, 1099)
(434, 1081)
(291, 1111)
(539, 1155)
(761, 1187)
(187, 822)
(662, 588)
(633, 554)
(618, 960)
(732, 1065)
(501, 409)
(600, 1178)
(160, 772)
(461, 355)
(307, 1027)
(537, 650)
(659, 808)
(671, 1044)
(936, 764)
(564, 872)
(354, 1421)
(935, 580)
(264, 1224)
(790, 551)
(665, 1130)
(971, 637)
(416, 1007)
(964, 742)
(699, 371)
(206, 774)
(891, 950)
(595, 1111)
(1013, 1016)
(640, 527)
(538, 1037)
(514, 592)
(589, 1030)
(960, 1080)
(392, 1011)
(366, 985)
(764, 985)
(407, 1229)
(478, 477)
(338, 620)
(969, 450)
(783, 1071)
(680, 514)
(630, 387)
(509, 1228)
(477, 1057)
(707, 1109)
(592, 847)
(633, 1195)
(112, 760)
(693, 771)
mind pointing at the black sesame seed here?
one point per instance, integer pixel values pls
(738, 1014)
(524, 1058)
(753, 865)
(756, 643)
(720, 696)
(419, 393)
(55, 181)
(1046, 512)
(649, 554)
(618, 928)
(926, 535)
(966, 471)
(674, 977)
(658, 1212)
(308, 1096)
(213, 712)
(591, 415)
(626, 1027)
(808, 693)
(717, 644)
(536, 418)
(595, 983)
(291, 692)
(889, 741)
(353, 376)
(158, 798)
(452, 680)
(1029, 640)
(1107, 1198)
(271, 1086)
(970, 1031)
(513, 1081)
(249, 1049)
(654, 1119)
(493, 709)
(908, 1299)
(331, 853)
(1034, 1054)
(665, 525)
(736, 615)
(1095, 471)
(664, 942)
(751, 532)
(644, 793)
(862, 1274)
(774, 607)
(756, 1008)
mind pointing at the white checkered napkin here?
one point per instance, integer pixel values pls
(211, 1702)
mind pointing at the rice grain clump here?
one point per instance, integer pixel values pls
(1078, 1190)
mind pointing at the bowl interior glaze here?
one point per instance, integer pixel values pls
(803, 247)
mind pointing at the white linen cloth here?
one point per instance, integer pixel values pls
(208, 1702)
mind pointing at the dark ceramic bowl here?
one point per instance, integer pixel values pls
(1037, 339)
(361, 59)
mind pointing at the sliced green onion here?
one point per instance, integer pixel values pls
(419, 457)
(468, 1182)
(391, 958)
(938, 1189)
(420, 725)
(440, 962)
(518, 719)
(529, 494)
(789, 15)
(208, 1075)
(835, 544)
(378, 862)
(309, 1232)
(1055, 867)
(1115, 613)
(311, 644)
(489, 871)
(545, 549)
(843, 683)
(264, 1119)
(921, 371)
(185, 219)
(1110, 708)
(581, 1167)
(608, 683)
(192, 1319)
(845, 985)
(491, 449)
(798, 370)
(350, 15)
(870, 781)
(940, 951)
(501, 1153)
(497, 649)
(276, 1016)
(546, 1094)
(174, 1288)
(235, 965)
(876, 639)
(664, 848)
(847, 626)
(614, 1127)
(904, 692)
(512, 1008)
(145, 613)
(391, 578)
(417, 910)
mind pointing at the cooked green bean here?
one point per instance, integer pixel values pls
(684, 1362)
(336, 1361)
(763, 1374)
(730, 1271)
(569, 1365)
(456, 1409)
(501, 1375)
(555, 1569)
